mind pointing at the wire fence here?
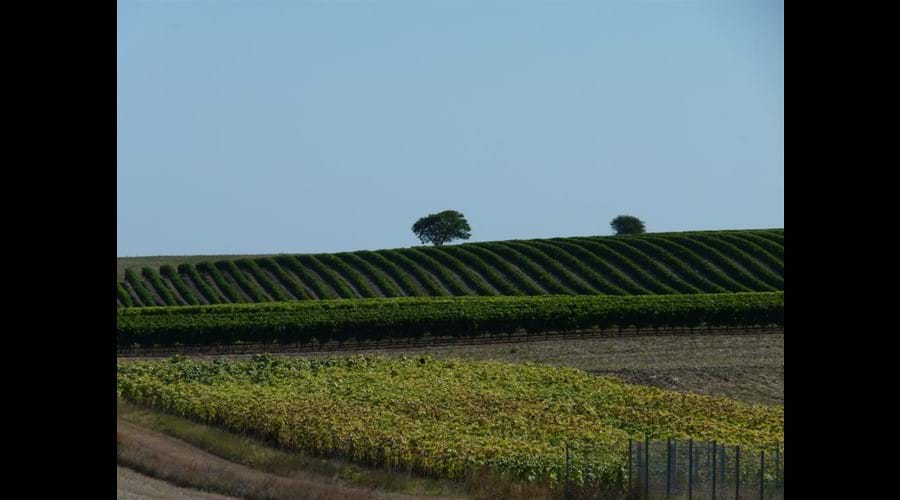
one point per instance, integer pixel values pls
(703, 470)
(687, 469)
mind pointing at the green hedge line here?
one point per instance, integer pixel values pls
(369, 319)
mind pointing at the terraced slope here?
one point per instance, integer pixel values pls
(656, 263)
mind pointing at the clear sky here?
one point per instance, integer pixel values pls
(292, 126)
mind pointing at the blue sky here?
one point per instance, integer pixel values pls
(265, 127)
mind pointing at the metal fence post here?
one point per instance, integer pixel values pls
(724, 467)
(777, 464)
(668, 467)
(639, 455)
(737, 472)
(714, 470)
(762, 467)
(566, 494)
(629, 464)
(675, 463)
(646, 466)
(691, 469)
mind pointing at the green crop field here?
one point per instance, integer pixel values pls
(650, 264)
(447, 417)
(375, 319)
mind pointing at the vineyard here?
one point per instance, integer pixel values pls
(650, 264)
(403, 318)
(446, 418)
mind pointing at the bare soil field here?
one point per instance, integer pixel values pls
(749, 368)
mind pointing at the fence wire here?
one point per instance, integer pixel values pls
(687, 469)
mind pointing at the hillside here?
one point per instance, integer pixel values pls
(656, 263)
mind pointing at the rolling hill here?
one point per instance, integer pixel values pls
(655, 263)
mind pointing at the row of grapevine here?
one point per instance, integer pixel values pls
(601, 265)
(640, 278)
(137, 284)
(185, 293)
(123, 296)
(748, 262)
(761, 248)
(227, 288)
(658, 277)
(701, 265)
(162, 290)
(516, 277)
(689, 274)
(539, 274)
(244, 282)
(305, 275)
(290, 282)
(349, 274)
(431, 284)
(190, 273)
(471, 279)
(498, 282)
(410, 286)
(421, 257)
(722, 262)
(372, 273)
(327, 275)
(567, 278)
(581, 269)
(275, 291)
(660, 263)
(372, 319)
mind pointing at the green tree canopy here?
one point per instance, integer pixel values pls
(442, 227)
(627, 224)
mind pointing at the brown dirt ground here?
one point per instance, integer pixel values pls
(178, 462)
(131, 485)
(749, 368)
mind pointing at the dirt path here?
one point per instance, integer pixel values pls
(175, 461)
(131, 485)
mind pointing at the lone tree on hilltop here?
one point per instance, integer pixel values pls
(442, 227)
(627, 224)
